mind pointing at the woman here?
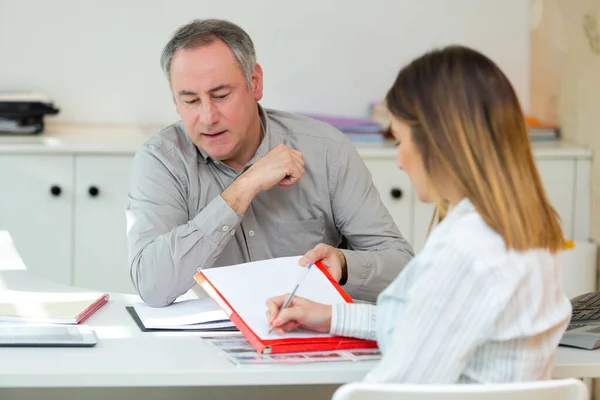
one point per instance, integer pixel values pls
(482, 302)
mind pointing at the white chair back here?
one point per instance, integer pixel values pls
(560, 389)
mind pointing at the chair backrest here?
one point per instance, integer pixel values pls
(560, 389)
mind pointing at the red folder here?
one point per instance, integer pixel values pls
(285, 345)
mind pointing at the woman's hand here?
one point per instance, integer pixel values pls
(299, 313)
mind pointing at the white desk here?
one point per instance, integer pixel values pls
(127, 357)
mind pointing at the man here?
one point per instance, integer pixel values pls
(233, 182)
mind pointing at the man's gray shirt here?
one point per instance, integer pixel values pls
(178, 223)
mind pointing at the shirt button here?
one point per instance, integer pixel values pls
(251, 232)
(225, 228)
(198, 269)
(232, 232)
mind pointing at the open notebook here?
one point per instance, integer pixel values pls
(49, 308)
(242, 292)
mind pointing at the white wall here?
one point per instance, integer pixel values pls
(100, 59)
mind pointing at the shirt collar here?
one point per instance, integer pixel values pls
(461, 208)
(202, 156)
(270, 137)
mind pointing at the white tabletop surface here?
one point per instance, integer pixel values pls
(127, 357)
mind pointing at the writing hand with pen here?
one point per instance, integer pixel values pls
(288, 312)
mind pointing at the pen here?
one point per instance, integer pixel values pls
(292, 293)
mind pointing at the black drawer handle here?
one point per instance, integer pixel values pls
(55, 190)
(93, 191)
(396, 193)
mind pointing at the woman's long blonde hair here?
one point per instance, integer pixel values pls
(467, 123)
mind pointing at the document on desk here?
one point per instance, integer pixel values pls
(190, 314)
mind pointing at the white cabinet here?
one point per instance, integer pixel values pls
(100, 246)
(395, 191)
(66, 210)
(422, 220)
(558, 178)
(36, 200)
(66, 215)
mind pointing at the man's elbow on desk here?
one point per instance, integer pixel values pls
(152, 291)
(154, 299)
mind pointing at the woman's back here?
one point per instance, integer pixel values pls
(474, 311)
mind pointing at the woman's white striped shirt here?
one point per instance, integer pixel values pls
(465, 310)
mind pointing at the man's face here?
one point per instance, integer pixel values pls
(218, 110)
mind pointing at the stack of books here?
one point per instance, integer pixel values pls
(377, 127)
(539, 130)
(357, 129)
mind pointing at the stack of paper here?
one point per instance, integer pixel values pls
(190, 315)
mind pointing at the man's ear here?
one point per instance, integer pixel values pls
(257, 82)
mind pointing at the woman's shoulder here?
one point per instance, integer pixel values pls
(470, 239)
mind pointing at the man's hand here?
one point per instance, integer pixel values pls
(333, 259)
(300, 312)
(280, 166)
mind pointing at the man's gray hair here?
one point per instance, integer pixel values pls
(205, 31)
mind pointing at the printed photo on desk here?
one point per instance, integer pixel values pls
(242, 292)
(240, 352)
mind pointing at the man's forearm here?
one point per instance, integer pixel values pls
(163, 267)
(160, 273)
(240, 194)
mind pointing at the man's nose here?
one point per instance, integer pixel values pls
(208, 113)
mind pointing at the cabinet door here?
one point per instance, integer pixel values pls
(557, 176)
(36, 208)
(423, 214)
(102, 184)
(395, 191)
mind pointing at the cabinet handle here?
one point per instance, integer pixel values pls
(55, 190)
(93, 191)
(396, 193)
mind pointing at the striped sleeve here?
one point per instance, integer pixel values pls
(354, 320)
(452, 308)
